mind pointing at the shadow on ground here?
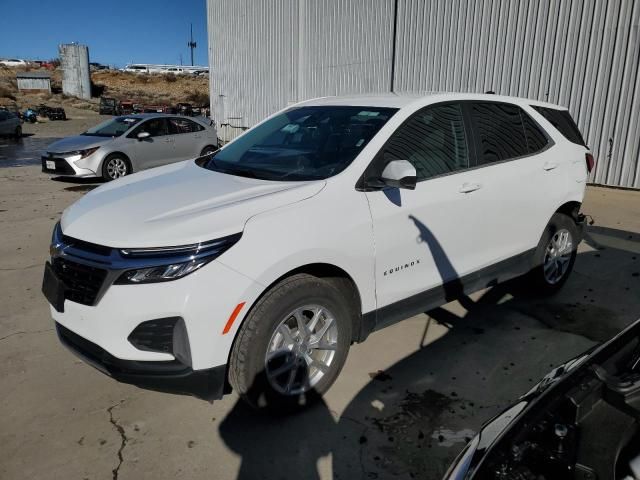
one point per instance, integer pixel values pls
(411, 420)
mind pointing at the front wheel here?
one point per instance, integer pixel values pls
(115, 166)
(292, 345)
(208, 150)
(555, 255)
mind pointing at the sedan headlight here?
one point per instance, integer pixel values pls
(81, 153)
(163, 264)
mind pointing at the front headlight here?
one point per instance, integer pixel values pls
(163, 264)
(163, 273)
(79, 154)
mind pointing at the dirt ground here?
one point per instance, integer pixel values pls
(405, 404)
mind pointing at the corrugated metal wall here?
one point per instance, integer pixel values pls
(583, 54)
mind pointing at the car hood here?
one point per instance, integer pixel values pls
(178, 204)
(77, 142)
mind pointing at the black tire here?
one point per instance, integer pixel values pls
(18, 133)
(536, 279)
(209, 149)
(247, 362)
(123, 166)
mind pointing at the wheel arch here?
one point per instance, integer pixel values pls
(321, 270)
(112, 154)
(570, 208)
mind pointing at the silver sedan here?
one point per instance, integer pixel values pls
(130, 143)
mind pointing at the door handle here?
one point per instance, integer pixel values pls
(550, 166)
(469, 187)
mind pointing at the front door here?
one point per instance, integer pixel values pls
(155, 150)
(424, 237)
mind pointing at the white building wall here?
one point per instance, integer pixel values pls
(583, 54)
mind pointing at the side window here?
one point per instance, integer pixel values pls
(3, 116)
(433, 140)
(182, 125)
(499, 132)
(536, 139)
(156, 127)
(562, 121)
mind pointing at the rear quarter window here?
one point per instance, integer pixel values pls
(562, 121)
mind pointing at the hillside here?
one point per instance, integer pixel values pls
(166, 89)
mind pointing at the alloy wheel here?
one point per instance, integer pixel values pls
(558, 256)
(301, 350)
(116, 168)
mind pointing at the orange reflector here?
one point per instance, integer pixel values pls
(232, 318)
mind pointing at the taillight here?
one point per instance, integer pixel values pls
(590, 162)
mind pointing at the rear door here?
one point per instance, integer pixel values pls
(188, 137)
(521, 182)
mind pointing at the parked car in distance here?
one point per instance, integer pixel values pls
(580, 421)
(184, 109)
(130, 143)
(56, 113)
(257, 267)
(10, 124)
(14, 62)
(109, 106)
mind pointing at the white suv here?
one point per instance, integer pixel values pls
(256, 267)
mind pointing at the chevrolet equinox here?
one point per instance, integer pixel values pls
(255, 267)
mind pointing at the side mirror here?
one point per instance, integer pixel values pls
(399, 174)
(143, 135)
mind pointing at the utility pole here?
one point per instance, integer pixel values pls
(192, 45)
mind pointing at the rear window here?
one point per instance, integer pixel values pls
(562, 121)
(499, 132)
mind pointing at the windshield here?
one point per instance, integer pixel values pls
(112, 128)
(305, 143)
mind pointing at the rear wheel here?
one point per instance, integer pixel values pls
(18, 132)
(292, 345)
(555, 255)
(115, 166)
(208, 150)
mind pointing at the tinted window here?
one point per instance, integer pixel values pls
(156, 127)
(536, 139)
(182, 125)
(433, 140)
(3, 116)
(113, 127)
(499, 132)
(562, 121)
(302, 143)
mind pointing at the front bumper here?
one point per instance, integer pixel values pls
(64, 167)
(168, 376)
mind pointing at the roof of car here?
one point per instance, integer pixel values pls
(399, 100)
(154, 114)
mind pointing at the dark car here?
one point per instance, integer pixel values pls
(109, 106)
(582, 421)
(56, 113)
(185, 109)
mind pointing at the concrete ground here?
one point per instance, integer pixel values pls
(405, 404)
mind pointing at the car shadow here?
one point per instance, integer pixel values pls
(475, 357)
(81, 184)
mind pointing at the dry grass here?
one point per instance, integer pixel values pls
(166, 89)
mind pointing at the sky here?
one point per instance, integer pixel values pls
(116, 31)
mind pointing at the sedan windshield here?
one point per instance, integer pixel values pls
(112, 128)
(305, 143)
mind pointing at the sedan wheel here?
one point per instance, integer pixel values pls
(115, 167)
